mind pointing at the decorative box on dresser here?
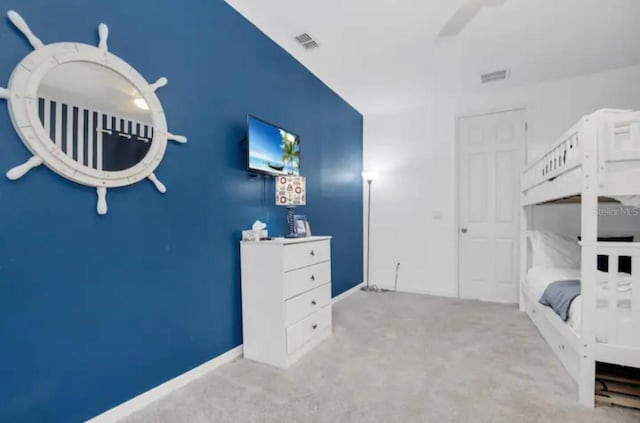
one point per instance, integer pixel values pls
(286, 298)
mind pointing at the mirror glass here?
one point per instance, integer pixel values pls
(95, 115)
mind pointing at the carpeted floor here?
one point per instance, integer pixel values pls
(398, 358)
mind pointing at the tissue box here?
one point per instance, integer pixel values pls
(250, 235)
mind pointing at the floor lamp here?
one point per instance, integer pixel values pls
(369, 177)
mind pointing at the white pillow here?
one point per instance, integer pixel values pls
(552, 250)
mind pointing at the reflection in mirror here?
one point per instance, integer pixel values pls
(95, 115)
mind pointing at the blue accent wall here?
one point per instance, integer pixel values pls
(96, 310)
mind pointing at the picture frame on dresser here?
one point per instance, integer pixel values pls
(301, 226)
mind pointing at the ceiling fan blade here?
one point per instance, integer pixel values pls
(493, 2)
(461, 18)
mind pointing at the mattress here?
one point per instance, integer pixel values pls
(538, 278)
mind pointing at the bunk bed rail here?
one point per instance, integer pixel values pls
(619, 322)
(625, 139)
(562, 157)
(558, 172)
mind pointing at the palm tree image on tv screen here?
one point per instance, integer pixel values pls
(291, 151)
(272, 150)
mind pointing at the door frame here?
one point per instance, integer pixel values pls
(522, 153)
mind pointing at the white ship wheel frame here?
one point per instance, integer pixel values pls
(22, 96)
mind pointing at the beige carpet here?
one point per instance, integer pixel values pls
(398, 358)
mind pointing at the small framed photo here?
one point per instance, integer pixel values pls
(300, 225)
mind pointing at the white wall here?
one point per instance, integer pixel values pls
(413, 153)
(413, 216)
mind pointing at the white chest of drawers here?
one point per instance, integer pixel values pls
(286, 298)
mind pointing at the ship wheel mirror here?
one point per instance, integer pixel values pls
(86, 114)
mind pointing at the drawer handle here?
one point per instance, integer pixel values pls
(313, 302)
(312, 253)
(313, 278)
(315, 326)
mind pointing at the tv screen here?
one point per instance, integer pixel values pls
(271, 149)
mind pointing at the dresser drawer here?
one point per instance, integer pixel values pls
(305, 254)
(303, 331)
(298, 281)
(303, 305)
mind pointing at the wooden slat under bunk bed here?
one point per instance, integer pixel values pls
(617, 385)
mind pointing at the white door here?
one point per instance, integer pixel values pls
(490, 160)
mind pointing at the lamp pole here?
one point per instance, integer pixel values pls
(369, 181)
(369, 177)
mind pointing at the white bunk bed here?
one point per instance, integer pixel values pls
(599, 157)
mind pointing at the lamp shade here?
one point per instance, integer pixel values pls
(369, 175)
(291, 190)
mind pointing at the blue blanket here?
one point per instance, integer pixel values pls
(559, 296)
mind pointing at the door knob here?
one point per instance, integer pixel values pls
(463, 230)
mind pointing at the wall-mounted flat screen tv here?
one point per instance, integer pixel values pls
(272, 150)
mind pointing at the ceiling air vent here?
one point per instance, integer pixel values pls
(494, 76)
(306, 41)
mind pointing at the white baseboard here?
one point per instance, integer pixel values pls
(346, 293)
(141, 401)
(421, 291)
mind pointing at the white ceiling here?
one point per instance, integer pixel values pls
(383, 55)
